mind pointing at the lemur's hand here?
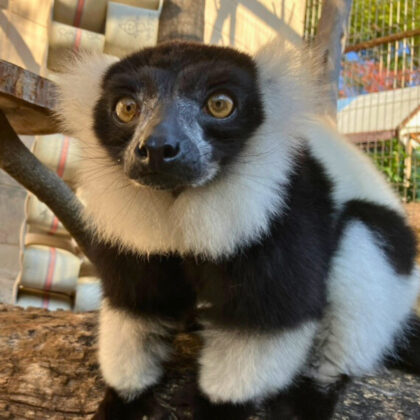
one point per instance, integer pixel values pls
(144, 407)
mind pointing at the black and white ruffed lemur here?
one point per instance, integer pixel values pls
(208, 178)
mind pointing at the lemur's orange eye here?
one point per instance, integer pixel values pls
(126, 109)
(220, 105)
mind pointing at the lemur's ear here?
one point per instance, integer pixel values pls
(289, 70)
(78, 90)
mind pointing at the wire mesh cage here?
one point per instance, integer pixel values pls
(379, 86)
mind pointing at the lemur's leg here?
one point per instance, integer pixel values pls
(369, 302)
(131, 350)
(239, 370)
(145, 301)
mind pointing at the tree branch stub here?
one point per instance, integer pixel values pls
(329, 45)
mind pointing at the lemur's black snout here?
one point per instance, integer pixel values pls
(157, 151)
(166, 158)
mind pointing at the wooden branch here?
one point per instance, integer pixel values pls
(329, 43)
(182, 19)
(49, 371)
(382, 40)
(25, 168)
(27, 100)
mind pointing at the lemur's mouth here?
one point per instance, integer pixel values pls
(159, 181)
(172, 177)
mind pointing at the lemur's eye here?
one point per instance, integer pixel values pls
(126, 109)
(220, 105)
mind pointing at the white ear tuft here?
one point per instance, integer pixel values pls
(78, 90)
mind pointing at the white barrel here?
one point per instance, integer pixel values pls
(55, 241)
(49, 269)
(59, 153)
(85, 14)
(65, 41)
(50, 301)
(145, 4)
(130, 28)
(88, 294)
(39, 215)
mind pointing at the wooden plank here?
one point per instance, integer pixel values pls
(382, 40)
(367, 136)
(27, 100)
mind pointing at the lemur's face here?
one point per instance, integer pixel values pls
(177, 115)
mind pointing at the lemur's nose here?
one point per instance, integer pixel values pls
(157, 150)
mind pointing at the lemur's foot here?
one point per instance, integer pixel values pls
(205, 410)
(144, 407)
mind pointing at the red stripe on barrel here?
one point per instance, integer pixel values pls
(79, 12)
(50, 276)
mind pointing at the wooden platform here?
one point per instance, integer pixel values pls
(27, 100)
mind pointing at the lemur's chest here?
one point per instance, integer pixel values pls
(268, 285)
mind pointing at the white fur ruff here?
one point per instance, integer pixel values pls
(211, 220)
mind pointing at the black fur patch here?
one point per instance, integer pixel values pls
(147, 286)
(304, 400)
(113, 407)
(204, 409)
(394, 235)
(406, 355)
(281, 280)
(177, 55)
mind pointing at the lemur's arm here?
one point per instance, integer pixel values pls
(144, 301)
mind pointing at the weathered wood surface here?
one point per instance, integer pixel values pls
(48, 370)
(27, 100)
(48, 367)
(329, 42)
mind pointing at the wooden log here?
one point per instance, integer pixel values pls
(48, 366)
(48, 370)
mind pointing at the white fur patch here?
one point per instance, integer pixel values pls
(211, 220)
(237, 367)
(78, 91)
(352, 173)
(368, 303)
(130, 351)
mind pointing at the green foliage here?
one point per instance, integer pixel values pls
(372, 19)
(390, 157)
(390, 160)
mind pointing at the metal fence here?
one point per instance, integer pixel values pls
(379, 86)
